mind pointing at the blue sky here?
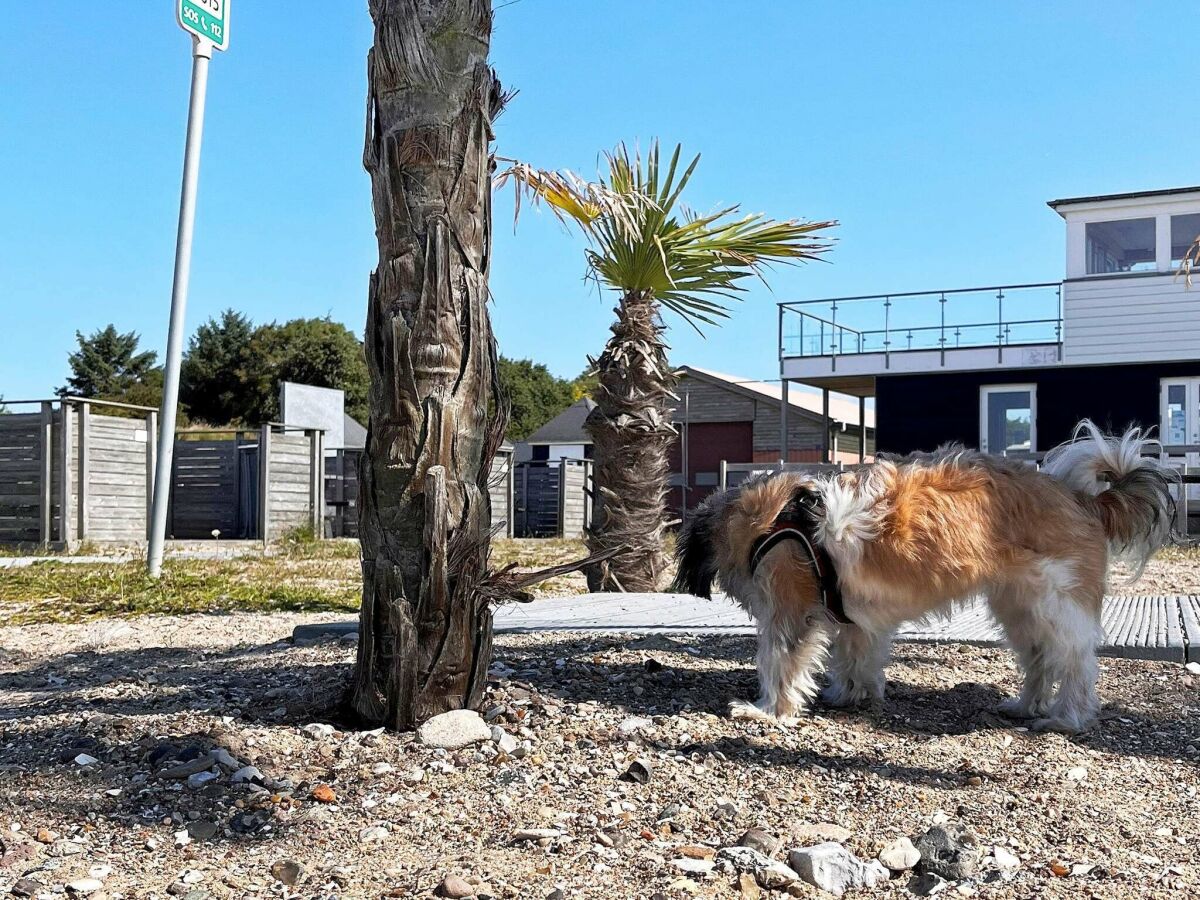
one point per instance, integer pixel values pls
(934, 132)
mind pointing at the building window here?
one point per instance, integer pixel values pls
(707, 479)
(1184, 230)
(540, 451)
(1126, 245)
(1008, 419)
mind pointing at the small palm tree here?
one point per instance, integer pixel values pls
(655, 253)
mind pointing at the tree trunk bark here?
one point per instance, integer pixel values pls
(436, 411)
(631, 433)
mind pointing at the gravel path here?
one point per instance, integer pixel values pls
(101, 726)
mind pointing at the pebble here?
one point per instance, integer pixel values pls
(762, 841)
(414, 775)
(639, 771)
(535, 834)
(454, 730)
(85, 885)
(833, 868)
(927, 884)
(26, 887)
(382, 768)
(634, 724)
(1079, 773)
(287, 871)
(318, 730)
(200, 779)
(248, 774)
(775, 875)
(900, 855)
(689, 866)
(1004, 859)
(373, 833)
(323, 793)
(748, 887)
(188, 769)
(456, 887)
(820, 832)
(742, 859)
(948, 850)
(1193, 668)
(201, 830)
(83, 759)
(507, 743)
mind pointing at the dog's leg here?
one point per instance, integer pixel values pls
(856, 666)
(1029, 635)
(787, 656)
(1072, 656)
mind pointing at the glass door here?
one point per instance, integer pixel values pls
(1008, 419)
(1179, 427)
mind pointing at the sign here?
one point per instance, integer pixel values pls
(206, 19)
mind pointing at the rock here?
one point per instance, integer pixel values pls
(1193, 668)
(318, 730)
(1004, 859)
(535, 834)
(323, 793)
(694, 851)
(84, 759)
(26, 887)
(182, 838)
(373, 833)
(455, 887)
(634, 724)
(200, 779)
(639, 771)
(85, 886)
(248, 774)
(775, 875)
(900, 855)
(819, 833)
(415, 775)
(201, 830)
(762, 841)
(742, 859)
(287, 871)
(556, 894)
(507, 743)
(382, 768)
(1078, 773)
(726, 809)
(689, 866)
(833, 868)
(948, 850)
(926, 884)
(225, 759)
(188, 769)
(748, 887)
(454, 730)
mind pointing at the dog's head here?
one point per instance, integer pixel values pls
(717, 540)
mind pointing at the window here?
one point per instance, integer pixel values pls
(1008, 418)
(540, 451)
(1184, 230)
(1126, 245)
(707, 479)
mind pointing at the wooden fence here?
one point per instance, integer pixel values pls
(553, 498)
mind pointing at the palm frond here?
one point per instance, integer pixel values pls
(642, 239)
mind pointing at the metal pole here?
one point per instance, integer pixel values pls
(687, 396)
(201, 54)
(783, 417)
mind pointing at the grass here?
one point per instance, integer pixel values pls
(296, 575)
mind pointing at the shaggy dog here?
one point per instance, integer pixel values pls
(846, 559)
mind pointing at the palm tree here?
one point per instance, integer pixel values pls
(436, 409)
(655, 253)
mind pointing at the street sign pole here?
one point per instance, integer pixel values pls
(198, 25)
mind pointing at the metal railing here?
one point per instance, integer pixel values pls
(1024, 314)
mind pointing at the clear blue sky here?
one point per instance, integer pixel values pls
(934, 132)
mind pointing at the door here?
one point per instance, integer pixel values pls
(1179, 424)
(1008, 419)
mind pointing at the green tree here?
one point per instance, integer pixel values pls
(320, 352)
(109, 366)
(212, 378)
(536, 396)
(655, 254)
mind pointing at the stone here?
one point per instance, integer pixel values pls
(926, 884)
(742, 859)
(200, 779)
(373, 834)
(454, 730)
(287, 871)
(318, 730)
(1078, 773)
(634, 724)
(26, 887)
(84, 759)
(639, 771)
(775, 875)
(762, 841)
(455, 887)
(833, 868)
(323, 793)
(248, 774)
(201, 830)
(1193, 668)
(819, 833)
(900, 855)
(85, 885)
(949, 850)
(748, 887)
(1004, 859)
(689, 866)
(507, 743)
(535, 834)
(188, 768)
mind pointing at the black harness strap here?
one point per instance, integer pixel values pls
(819, 559)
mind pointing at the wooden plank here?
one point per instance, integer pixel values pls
(45, 441)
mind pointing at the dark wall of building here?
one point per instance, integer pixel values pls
(921, 412)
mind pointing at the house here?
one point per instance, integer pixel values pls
(1012, 369)
(563, 437)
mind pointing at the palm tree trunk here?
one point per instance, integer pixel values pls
(436, 413)
(631, 433)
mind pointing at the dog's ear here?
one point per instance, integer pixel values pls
(695, 553)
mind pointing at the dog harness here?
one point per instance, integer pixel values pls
(818, 558)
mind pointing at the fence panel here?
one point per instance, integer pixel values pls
(204, 489)
(289, 483)
(20, 477)
(115, 493)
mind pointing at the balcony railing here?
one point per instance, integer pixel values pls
(1004, 316)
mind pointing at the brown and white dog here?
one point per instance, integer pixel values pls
(846, 559)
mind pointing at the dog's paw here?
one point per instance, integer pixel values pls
(844, 696)
(742, 709)
(1016, 708)
(1056, 725)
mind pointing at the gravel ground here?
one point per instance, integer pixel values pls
(94, 717)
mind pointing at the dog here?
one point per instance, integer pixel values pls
(843, 560)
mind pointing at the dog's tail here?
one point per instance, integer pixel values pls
(694, 552)
(1128, 491)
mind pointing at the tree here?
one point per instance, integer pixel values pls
(643, 244)
(212, 377)
(437, 412)
(535, 395)
(320, 352)
(109, 366)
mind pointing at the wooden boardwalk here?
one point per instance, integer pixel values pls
(1160, 628)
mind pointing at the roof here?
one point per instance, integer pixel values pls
(566, 427)
(354, 436)
(840, 410)
(1132, 195)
